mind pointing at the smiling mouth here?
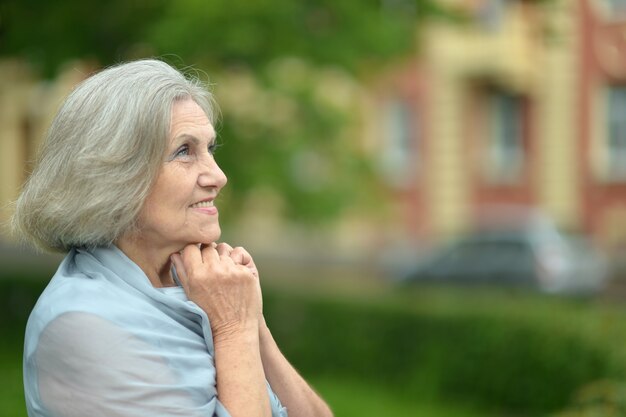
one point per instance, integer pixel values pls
(202, 204)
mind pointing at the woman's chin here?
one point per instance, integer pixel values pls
(208, 239)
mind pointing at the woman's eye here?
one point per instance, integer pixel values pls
(182, 151)
(213, 148)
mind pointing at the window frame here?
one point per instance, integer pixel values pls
(506, 159)
(398, 159)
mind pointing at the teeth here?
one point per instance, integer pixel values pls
(202, 204)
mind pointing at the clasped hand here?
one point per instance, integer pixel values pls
(224, 282)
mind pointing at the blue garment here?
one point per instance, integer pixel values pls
(102, 341)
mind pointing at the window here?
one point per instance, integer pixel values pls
(616, 132)
(398, 154)
(490, 13)
(505, 131)
(616, 6)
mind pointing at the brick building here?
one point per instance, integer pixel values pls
(525, 104)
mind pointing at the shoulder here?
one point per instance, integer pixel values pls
(111, 367)
(85, 296)
(75, 292)
(85, 337)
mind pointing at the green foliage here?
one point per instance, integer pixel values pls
(254, 33)
(298, 57)
(11, 386)
(495, 360)
(285, 129)
(605, 398)
(216, 32)
(50, 33)
(351, 397)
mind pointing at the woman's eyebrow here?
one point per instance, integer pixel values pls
(187, 137)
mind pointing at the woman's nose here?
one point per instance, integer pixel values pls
(211, 174)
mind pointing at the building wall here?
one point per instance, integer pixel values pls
(28, 105)
(15, 93)
(542, 53)
(463, 61)
(602, 59)
(560, 56)
(408, 84)
(557, 98)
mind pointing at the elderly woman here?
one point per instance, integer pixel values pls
(147, 315)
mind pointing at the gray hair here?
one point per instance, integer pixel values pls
(102, 154)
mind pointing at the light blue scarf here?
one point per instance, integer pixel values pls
(102, 341)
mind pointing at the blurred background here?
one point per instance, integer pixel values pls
(434, 190)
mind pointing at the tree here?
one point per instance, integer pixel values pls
(290, 60)
(219, 32)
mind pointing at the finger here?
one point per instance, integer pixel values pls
(191, 257)
(191, 252)
(209, 254)
(224, 249)
(241, 256)
(189, 260)
(244, 270)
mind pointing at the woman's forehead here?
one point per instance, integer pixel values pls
(189, 119)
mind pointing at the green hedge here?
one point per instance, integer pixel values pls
(531, 362)
(495, 359)
(17, 298)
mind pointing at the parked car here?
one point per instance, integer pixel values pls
(534, 256)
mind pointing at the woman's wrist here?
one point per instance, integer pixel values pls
(237, 333)
(264, 331)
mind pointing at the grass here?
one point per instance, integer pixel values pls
(348, 397)
(11, 387)
(356, 398)
(351, 396)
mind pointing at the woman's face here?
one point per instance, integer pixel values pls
(180, 207)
